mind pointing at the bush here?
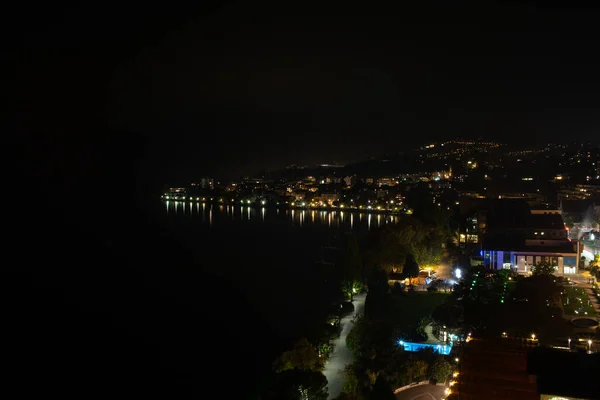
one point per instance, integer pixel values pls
(346, 307)
(440, 370)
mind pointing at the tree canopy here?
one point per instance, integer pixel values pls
(440, 369)
(303, 356)
(300, 384)
(390, 247)
(411, 268)
(544, 268)
(382, 389)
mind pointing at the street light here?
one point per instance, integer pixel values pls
(569, 344)
(590, 346)
(533, 336)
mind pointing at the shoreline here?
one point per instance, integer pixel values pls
(286, 206)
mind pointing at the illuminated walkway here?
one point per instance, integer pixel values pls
(341, 356)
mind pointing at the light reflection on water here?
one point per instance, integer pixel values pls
(343, 219)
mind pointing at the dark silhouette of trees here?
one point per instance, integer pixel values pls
(298, 384)
(390, 247)
(411, 268)
(544, 268)
(440, 369)
(382, 389)
(352, 273)
(302, 356)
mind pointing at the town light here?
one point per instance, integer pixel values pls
(455, 374)
(458, 273)
(533, 336)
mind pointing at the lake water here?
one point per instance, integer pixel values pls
(225, 214)
(273, 256)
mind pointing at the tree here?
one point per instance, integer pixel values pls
(299, 384)
(412, 371)
(544, 268)
(440, 369)
(303, 356)
(354, 340)
(595, 271)
(378, 283)
(352, 270)
(351, 383)
(411, 268)
(382, 389)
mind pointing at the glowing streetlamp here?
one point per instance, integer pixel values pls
(569, 343)
(533, 336)
(590, 346)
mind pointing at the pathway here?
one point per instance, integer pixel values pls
(341, 355)
(582, 281)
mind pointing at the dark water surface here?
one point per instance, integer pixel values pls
(272, 257)
(174, 302)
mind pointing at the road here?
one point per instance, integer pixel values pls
(423, 392)
(341, 356)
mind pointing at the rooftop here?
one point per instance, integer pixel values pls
(563, 373)
(495, 370)
(512, 242)
(545, 221)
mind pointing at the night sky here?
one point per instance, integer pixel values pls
(232, 88)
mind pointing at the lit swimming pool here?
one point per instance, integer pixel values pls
(438, 348)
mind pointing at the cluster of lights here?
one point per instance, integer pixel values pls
(580, 304)
(503, 292)
(182, 198)
(474, 281)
